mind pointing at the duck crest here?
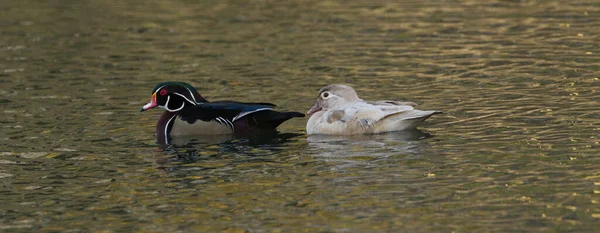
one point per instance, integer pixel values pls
(174, 83)
(185, 87)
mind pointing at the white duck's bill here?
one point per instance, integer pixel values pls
(315, 108)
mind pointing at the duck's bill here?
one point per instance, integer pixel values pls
(315, 108)
(150, 104)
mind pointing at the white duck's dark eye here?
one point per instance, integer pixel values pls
(326, 94)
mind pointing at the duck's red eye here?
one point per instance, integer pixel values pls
(163, 92)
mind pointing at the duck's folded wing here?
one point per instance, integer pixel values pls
(228, 110)
(244, 104)
(247, 108)
(367, 114)
(392, 103)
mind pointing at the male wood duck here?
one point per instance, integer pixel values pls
(339, 111)
(188, 113)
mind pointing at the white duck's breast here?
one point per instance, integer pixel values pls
(319, 124)
(313, 126)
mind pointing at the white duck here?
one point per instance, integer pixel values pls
(339, 111)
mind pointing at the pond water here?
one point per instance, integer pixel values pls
(516, 149)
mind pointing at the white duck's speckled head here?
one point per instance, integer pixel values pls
(333, 96)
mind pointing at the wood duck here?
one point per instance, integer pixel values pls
(339, 111)
(188, 113)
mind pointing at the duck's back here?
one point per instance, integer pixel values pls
(367, 117)
(402, 121)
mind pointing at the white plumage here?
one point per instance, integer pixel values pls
(339, 111)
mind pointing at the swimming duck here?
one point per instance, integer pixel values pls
(188, 113)
(339, 111)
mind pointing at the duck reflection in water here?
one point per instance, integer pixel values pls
(186, 150)
(348, 148)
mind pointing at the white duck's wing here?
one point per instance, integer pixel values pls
(366, 117)
(391, 103)
(349, 113)
(368, 114)
(385, 116)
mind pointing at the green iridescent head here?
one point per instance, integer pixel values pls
(173, 83)
(173, 96)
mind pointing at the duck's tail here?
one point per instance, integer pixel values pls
(407, 120)
(419, 114)
(416, 117)
(270, 119)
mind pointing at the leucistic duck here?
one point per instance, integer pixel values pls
(339, 111)
(188, 113)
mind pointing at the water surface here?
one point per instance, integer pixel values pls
(515, 151)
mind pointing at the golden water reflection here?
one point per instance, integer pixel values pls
(515, 150)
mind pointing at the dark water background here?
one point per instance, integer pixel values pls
(515, 151)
